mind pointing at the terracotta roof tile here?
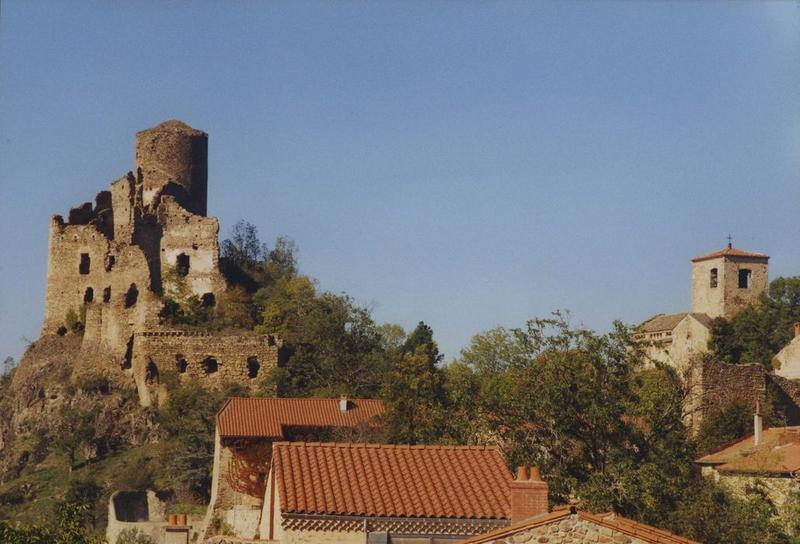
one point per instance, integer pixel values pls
(730, 252)
(267, 417)
(778, 453)
(392, 481)
(640, 531)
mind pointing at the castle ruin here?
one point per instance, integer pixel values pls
(112, 263)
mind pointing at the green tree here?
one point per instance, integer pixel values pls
(188, 451)
(759, 332)
(334, 347)
(133, 536)
(73, 430)
(723, 426)
(243, 248)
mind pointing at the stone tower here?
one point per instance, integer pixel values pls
(726, 281)
(173, 157)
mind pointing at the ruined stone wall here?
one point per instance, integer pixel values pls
(211, 359)
(189, 246)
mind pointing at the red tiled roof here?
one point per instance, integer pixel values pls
(640, 531)
(778, 453)
(379, 480)
(267, 417)
(730, 252)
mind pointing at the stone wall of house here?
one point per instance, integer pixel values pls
(723, 384)
(783, 492)
(210, 359)
(571, 530)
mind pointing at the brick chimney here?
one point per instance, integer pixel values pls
(797, 328)
(528, 494)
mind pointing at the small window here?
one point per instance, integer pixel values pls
(208, 300)
(182, 264)
(181, 363)
(131, 296)
(88, 295)
(110, 261)
(252, 367)
(107, 294)
(210, 365)
(744, 278)
(713, 278)
(85, 264)
(151, 373)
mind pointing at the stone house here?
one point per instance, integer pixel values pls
(568, 525)
(378, 493)
(767, 460)
(723, 283)
(245, 431)
(787, 361)
(113, 263)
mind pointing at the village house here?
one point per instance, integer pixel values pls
(570, 526)
(379, 493)
(767, 460)
(787, 361)
(245, 431)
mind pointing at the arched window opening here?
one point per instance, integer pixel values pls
(88, 295)
(107, 294)
(252, 367)
(151, 373)
(181, 363)
(83, 267)
(713, 280)
(744, 278)
(131, 296)
(210, 365)
(208, 300)
(182, 264)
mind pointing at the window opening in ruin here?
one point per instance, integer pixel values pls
(713, 277)
(107, 294)
(131, 296)
(128, 357)
(151, 373)
(208, 300)
(182, 264)
(110, 261)
(210, 365)
(744, 278)
(83, 268)
(88, 295)
(252, 367)
(181, 363)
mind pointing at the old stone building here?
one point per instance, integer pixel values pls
(723, 283)
(111, 264)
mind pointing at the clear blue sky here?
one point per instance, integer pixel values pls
(468, 164)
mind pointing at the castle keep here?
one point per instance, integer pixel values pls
(113, 261)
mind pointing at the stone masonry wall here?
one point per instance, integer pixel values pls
(724, 384)
(211, 359)
(572, 530)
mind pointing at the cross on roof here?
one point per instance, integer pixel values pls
(730, 241)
